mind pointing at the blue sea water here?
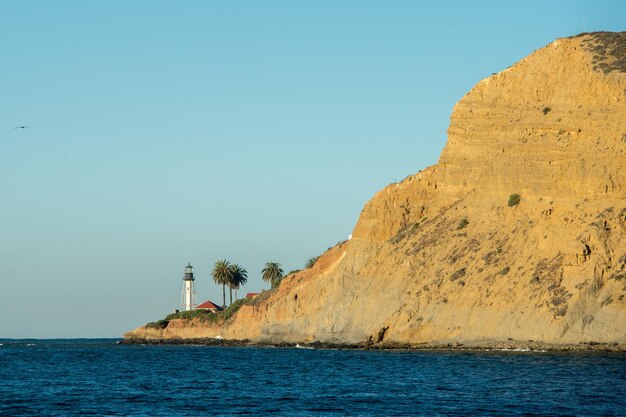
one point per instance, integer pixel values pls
(100, 378)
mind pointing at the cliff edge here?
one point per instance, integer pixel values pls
(517, 233)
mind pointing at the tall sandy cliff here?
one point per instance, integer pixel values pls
(441, 257)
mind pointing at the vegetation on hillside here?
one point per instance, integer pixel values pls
(608, 49)
(514, 200)
(203, 315)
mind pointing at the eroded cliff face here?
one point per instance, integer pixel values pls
(442, 258)
(178, 329)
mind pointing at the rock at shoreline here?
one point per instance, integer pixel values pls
(498, 346)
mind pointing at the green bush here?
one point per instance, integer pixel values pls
(276, 282)
(188, 315)
(457, 274)
(405, 231)
(462, 223)
(161, 324)
(259, 299)
(514, 200)
(233, 308)
(204, 315)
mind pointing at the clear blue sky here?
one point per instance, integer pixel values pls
(166, 132)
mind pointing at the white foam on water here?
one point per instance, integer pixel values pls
(520, 350)
(303, 347)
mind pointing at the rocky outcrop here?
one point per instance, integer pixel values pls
(449, 256)
(177, 329)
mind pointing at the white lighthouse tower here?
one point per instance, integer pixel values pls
(188, 300)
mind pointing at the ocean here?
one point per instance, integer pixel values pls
(96, 377)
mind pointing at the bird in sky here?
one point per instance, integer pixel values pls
(22, 127)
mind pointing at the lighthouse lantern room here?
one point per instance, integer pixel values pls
(188, 300)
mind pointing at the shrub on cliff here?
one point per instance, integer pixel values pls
(233, 308)
(188, 315)
(405, 231)
(204, 315)
(514, 200)
(457, 274)
(161, 324)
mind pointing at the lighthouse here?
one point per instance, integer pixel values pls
(188, 300)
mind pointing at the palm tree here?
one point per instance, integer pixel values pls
(310, 262)
(222, 274)
(272, 273)
(239, 278)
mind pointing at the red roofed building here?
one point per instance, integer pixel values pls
(252, 294)
(209, 305)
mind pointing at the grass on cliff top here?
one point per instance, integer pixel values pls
(203, 315)
(608, 49)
